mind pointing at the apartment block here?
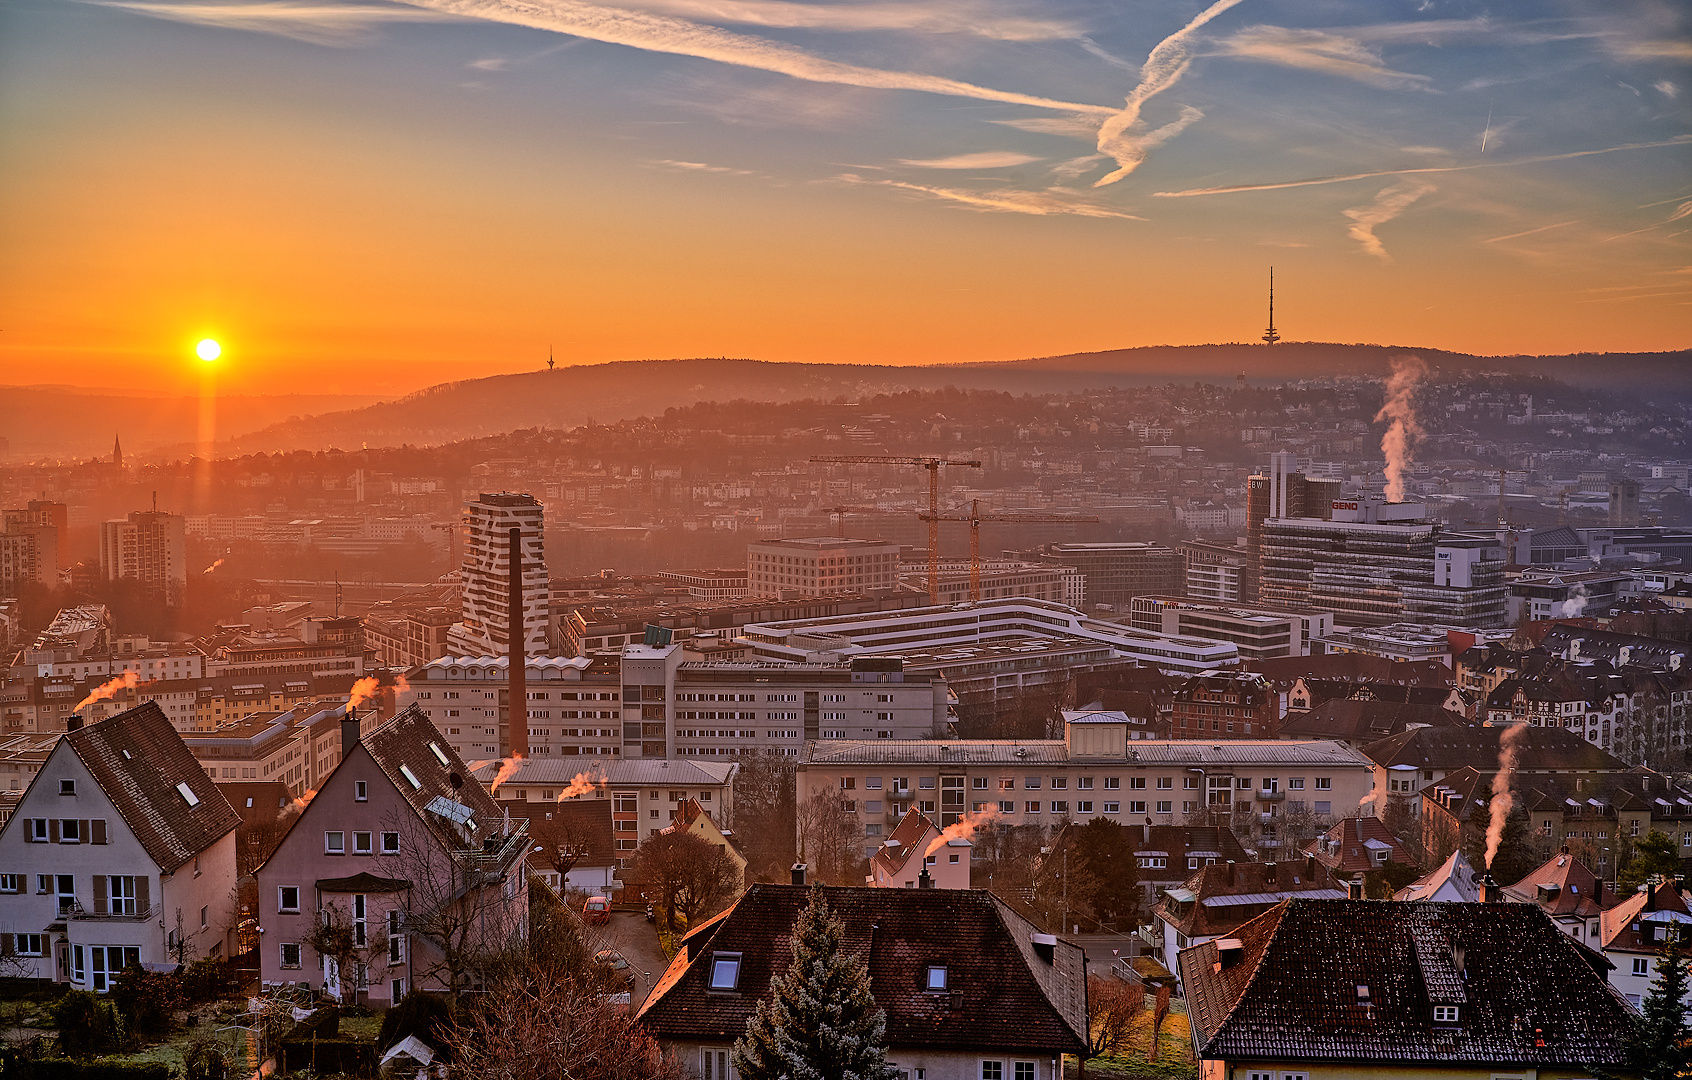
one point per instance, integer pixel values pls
(818, 565)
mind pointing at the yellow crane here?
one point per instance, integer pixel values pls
(933, 465)
(975, 517)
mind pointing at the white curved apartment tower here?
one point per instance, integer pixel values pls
(486, 571)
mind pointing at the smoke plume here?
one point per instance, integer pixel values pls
(212, 567)
(1502, 800)
(581, 784)
(962, 829)
(362, 691)
(401, 684)
(1402, 433)
(507, 768)
(129, 680)
(1575, 605)
(300, 802)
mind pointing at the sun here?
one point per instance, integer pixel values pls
(208, 350)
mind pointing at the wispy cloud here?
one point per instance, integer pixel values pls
(1388, 204)
(1667, 89)
(1074, 168)
(700, 166)
(1661, 49)
(987, 159)
(1678, 140)
(1529, 232)
(1164, 66)
(1077, 127)
(1318, 50)
(1003, 200)
(664, 34)
(303, 20)
(933, 17)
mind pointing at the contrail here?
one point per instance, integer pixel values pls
(1486, 131)
(1389, 203)
(1678, 140)
(1163, 68)
(662, 34)
(1529, 232)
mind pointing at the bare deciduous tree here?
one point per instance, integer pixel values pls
(829, 839)
(693, 877)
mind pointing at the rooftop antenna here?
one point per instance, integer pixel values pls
(549, 360)
(1269, 335)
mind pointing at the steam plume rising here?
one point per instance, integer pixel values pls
(1401, 435)
(507, 768)
(962, 829)
(1502, 800)
(129, 680)
(401, 684)
(300, 802)
(1575, 605)
(581, 784)
(212, 567)
(362, 691)
(1165, 65)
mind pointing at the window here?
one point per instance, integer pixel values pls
(204, 911)
(1189, 782)
(288, 898)
(1111, 783)
(123, 894)
(67, 787)
(361, 843)
(1024, 1071)
(725, 971)
(31, 945)
(290, 952)
(70, 831)
(1059, 783)
(1641, 965)
(187, 794)
(396, 949)
(1060, 807)
(1112, 808)
(936, 980)
(1007, 806)
(361, 791)
(1138, 783)
(1165, 806)
(1084, 807)
(992, 1070)
(1324, 808)
(1138, 806)
(1032, 806)
(1031, 782)
(1164, 783)
(1445, 1014)
(1296, 783)
(334, 843)
(11, 883)
(390, 843)
(1324, 783)
(1085, 783)
(38, 830)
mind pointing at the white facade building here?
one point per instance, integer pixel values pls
(486, 572)
(818, 565)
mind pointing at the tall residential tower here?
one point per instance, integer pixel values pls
(487, 526)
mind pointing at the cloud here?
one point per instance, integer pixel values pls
(663, 34)
(1076, 167)
(1529, 232)
(986, 159)
(699, 166)
(1318, 50)
(1678, 140)
(1004, 200)
(1667, 89)
(1683, 210)
(303, 20)
(1665, 49)
(1389, 203)
(1423, 150)
(1079, 127)
(977, 19)
(1163, 68)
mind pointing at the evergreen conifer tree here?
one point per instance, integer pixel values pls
(820, 1021)
(1661, 1048)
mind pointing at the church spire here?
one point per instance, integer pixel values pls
(117, 451)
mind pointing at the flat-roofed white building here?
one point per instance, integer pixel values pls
(1258, 633)
(486, 570)
(815, 565)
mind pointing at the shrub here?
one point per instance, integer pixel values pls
(87, 1025)
(427, 1016)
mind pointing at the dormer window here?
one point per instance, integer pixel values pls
(1445, 1014)
(725, 971)
(936, 979)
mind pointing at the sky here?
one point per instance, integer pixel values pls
(358, 196)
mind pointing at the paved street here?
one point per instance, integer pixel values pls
(1098, 949)
(630, 934)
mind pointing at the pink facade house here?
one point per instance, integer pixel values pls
(917, 844)
(402, 873)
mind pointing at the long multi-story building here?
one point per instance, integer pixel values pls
(1280, 491)
(41, 512)
(148, 546)
(298, 747)
(1215, 572)
(29, 555)
(486, 572)
(1258, 633)
(1000, 579)
(652, 702)
(1378, 563)
(816, 565)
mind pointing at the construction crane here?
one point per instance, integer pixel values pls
(838, 513)
(975, 517)
(933, 465)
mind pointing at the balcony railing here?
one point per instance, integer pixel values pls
(77, 913)
(1271, 795)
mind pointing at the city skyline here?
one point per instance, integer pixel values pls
(370, 198)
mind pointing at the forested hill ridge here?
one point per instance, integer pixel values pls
(610, 392)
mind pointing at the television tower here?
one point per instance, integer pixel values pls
(1269, 335)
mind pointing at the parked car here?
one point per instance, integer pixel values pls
(621, 972)
(597, 910)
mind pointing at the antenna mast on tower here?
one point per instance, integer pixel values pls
(1269, 336)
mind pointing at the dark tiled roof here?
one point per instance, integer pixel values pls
(270, 800)
(1527, 994)
(1570, 886)
(1365, 721)
(896, 851)
(1628, 926)
(1221, 904)
(138, 760)
(362, 883)
(1002, 994)
(412, 741)
(1538, 748)
(575, 823)
(1354, 855)
(1352, 667)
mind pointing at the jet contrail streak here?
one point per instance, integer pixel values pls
(1678, 140)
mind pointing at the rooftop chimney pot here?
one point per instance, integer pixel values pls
(799, 873)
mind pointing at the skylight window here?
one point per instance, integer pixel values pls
(936, 978)
(725, 971)
(440, 755)
(410, 777)
(187, 794)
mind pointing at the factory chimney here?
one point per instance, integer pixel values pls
(517, 696)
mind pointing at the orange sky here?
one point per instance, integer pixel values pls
(398, 209)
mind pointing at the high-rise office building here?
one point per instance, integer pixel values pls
(1115, 573)
(486, 571)
(147, 546)
(1280, 491)
(1376, 563)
